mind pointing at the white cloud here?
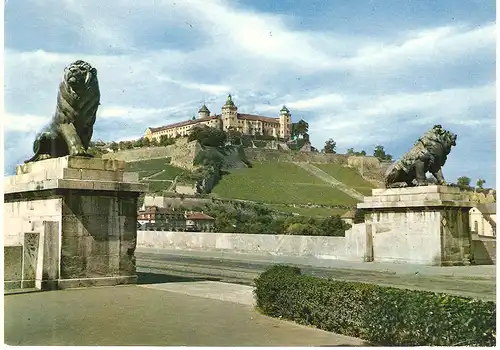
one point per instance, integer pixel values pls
(426, 47)
(210, 88)
(158, 62)
(381, 114)
(24, 122)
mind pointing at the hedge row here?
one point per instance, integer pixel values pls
(381, 315)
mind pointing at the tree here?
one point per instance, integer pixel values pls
(208, 136)
(139, 143)
(234, 137)
(351, 152)
(379, 153)
(333, 226)
(463, 182)
(480, 183)
(301, 128)
(166, 140)
(114, 146)
(330, 146)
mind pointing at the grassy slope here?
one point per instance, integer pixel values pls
(268, 182)
(277, 183)
(348, 176)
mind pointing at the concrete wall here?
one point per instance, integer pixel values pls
(484, 250)
(405, 237)
(22, 216)
(351, 247)
(164, 202)
(483, 222)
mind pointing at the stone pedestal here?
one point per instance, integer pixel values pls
(426, 225)
(76, 219)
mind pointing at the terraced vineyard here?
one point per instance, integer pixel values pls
(276, 184)
(158, 173)
(279, 183)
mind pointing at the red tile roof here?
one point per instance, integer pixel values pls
(258, 118)
(241, 116)
(155, 209)
(198, 216)
(184, 123)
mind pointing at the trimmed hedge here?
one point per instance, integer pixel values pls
(381, 315)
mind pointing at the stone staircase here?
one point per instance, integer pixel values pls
(330, 180)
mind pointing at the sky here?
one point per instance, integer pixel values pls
(364, 72)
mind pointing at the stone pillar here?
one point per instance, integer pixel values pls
(426, 225)
(86, 213)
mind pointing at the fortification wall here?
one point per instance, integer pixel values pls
(132, 155)
(182, 153)
(371, 168)
(271, 155)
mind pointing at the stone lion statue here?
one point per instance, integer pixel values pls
(72, 125)
(429, 154)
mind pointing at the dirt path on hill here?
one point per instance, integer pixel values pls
(330, 180)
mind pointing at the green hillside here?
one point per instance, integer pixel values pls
(279, 183)
(159, 173)
(348, 176)
(146, 168)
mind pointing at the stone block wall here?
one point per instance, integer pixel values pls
(426, 225)
(13, 266)
(181, 154)
(83, 214)
(98, 235)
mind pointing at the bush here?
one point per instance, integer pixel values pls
(382, 315)
(260, 143)
(208, 136)
(246, 140)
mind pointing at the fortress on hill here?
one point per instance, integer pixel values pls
(229, 119)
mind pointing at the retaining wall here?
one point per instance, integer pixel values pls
(352, 247)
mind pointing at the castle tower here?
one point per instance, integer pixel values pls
(285, 123)
(203, 112)
(229, 114)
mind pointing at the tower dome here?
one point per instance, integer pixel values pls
(203, 112)
(284, 110)
(229, 102)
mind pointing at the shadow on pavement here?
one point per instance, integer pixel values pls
(345, 345)
(152, 278)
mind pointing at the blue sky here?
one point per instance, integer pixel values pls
(362, 72)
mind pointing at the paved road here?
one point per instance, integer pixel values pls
(151, 315)
(166, 265)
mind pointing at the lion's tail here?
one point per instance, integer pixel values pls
(391, 174)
